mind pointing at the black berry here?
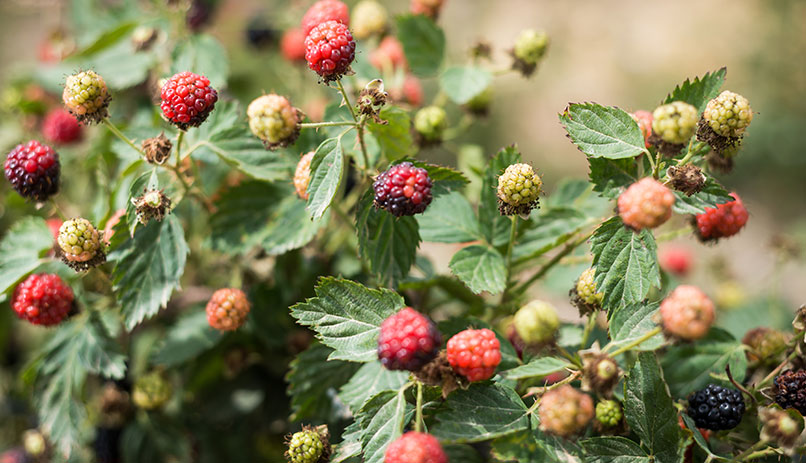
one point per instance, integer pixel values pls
(403, 190)
(790, 390)
(716, 408)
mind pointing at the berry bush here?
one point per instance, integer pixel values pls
(217, 274)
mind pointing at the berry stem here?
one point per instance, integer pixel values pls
(179, 139)
(418, 422)
(512, 232)
(689, 153)
(314, 125)
(358, 124)
(750, 450)
(112, 128)
(542, 390)
(656, 166)
(777, 370)
(651, 161)
(637, 342)
(588, 329)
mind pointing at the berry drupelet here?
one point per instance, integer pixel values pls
(645, 204)
(790, 390)
(403, 189)
(474, 354)
(42, 299)
(716, 408)
(415, 447)
(187, 99)
(408, 341)
(227, 309)
(329, 50)
(33, 170)
(725, 220)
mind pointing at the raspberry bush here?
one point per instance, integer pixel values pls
(212, 273)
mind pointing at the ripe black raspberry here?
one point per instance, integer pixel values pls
(187, 99)
(329, 50)
(403, 190)
(42, 299)
(716, 408)
(790, 390)
(33, 170)
(408, 340)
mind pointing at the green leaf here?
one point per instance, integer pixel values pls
(449, 219)
(626, 263)
(711, 196)
(610, 176)
(347, 317)
(462, 84)
(106, 39)
(423, 43)
(699, 91)
(188, 338)
(350, 445)
(552, 228)
(603, 131)
(614, 450)
(202, 54)
(394, 137)
(327, 171)
(538, 367)
(443, 178)
(148, 268)
(650, 412)
(630, 322)
(146, 181)
(688, 367)
(482, 412)
(494, 226)
(243, 213)
(371, 379)
(290, 227)
(481, 268)
(460, 453)
(22, 249)
(520, 447)
(382, 420)
(313, 381)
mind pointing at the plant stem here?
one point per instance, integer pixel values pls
(347, 100)
(178, 148)
(750, 450)
(568, 249)
(513, 230)
(761, 453)
(418, 422)
(651, 161)
(570, 378)
(637, 342)
(314, 125)
(656, 169)
(112, 128)
(777, 370)
(359, 124)
(588, 329)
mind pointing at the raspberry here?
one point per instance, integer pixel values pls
(430, 8)
(274, 120)
(227, 309)
(324, 11)
(645, 204)
(389, 55)
(716, 408)
(586, 288)
(687, 313)
(305, 446)
(152, 391)
(293, 44)
(676, 260)
(415, 447)
(33, 170)
(687, 178)
(302, 176)
(609, 413)
(187, 99)
(536, 322)
(157, 149)
(790, 390)
(779, 426)
(675, 122)
(766, 345)
(369, 18)
(81, 245)
(518, 190)
(403, 190)
(86, 97)
(60, 127)
(729, 114)
(565, 411)
(644, 120)
(474, 354)
(408, 341)
(152, 204)
(723, 221)
(430, 123)
(329, 50)
(529, 49)
(42, 299)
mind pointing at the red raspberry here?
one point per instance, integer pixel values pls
(645, 204)
(565, 411)
(227, 309)
(644, 120)
(329, 50)
(474, 354)
(676, 260)
(687, 313)
(724, 221)
(293, 44)
(187, 99)
(415, 447)
(61, 127)
(324, 11)
(389, 55)
(403, 190)
(408, 340)
(33, 170)
(42, 299)
(430, 8)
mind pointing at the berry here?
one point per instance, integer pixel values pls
(676, 260)
(780, 426)
(152, 391)
(645, 204)
(529, 49)
(644, 120)
(609, 413)
(410, 91)
(15, 455)
(33, 170)
(369, 18)
(474, 354)
(227, 309)
(324, 11)
(480, 104)
(586, 288)
(408, 341)
(518, 190)
(389, 55)
(687, 313)
(34, 443)
(302, 176)
(259, 33)
(81, 244)
(329, 50)
(107, 444)
(766, 345)
(274, 120)
(729, 114)
(157, 149)
(600, 373)
(292, 44)
(687, 178)
(305, 446)
(403, 189)
(60, 127)
(430, 8)
(790, 390)
(372, 99)
(716, 408)
(42, 299)
(723, 221)
(86, 97)
(430, 123)
(536, 322)
(565, 411)
(675, 122)
(187, 99)
(415, 447)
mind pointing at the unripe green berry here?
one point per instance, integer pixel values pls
(152, 391)
(518, 189)
(431, 122)
(274, 120)
(675, 122)
(78, 240)
(729, 114)
(305, 447)
(530, 46)
(86, 96)
(586, 288)
(369, 18)
(480, 103)
(608, 413)
(536, 322)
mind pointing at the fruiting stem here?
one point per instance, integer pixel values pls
(651, 161)
(112, 128)
(347, 100)
(314, 125)
(512, 232)
(358, 124)
(179, 139)
(588, 329)
(750, 450)
(656, 167)
(637, 342)
(761, 453)
(777, 370)
(418, 422)
(572, 377)
(689, 153)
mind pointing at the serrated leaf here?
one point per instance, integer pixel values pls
(610, 176)
(443, 178)
(462, 84)
(290, 227)
(105, 40)
(202, 54)
(482, 412)
(551, 229)
(242, 214)
(629, 323)
(460, 453)
(394, 137)
(382, 420)
(537, 368)
(700, 440)
(626, 263)
(423, 43)
(347, 317)
(699, 91)
(520, 447)
(148, 268)
(494, 226)
(189, 337)
(22, 249)
(350, 445)
(327, 171)
(603, 131)
(371, 379)
(711, 196)
(481, 268)
(449, 219)
(313, 381)
(614, 450)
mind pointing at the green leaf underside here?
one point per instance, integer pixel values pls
(688, 367)
(462, 84)
(536, 368)
(630, 322)
(21, 250)
(482, 412)
(603, 131)
(423, 43)
(481, 268)
(699, 91)
(327, 172)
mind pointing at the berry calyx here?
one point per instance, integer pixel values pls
(645, 204)
(152, 204)
(687, 178)
(725, 220)
(716, 408)
(687, 313)
(408, 340)
(529, 49)
(42, 299)
(152, 391)
(372, 99)
(430, 8)
(403, 189)
(157, 149)
(302, 175)
(518, 190)
(369, 18)
(60, 127)
(86, 97)
(292, 44)
(430, 124)
(324, 11)
(674, 122)
(676, 260)
(310, 445)
(81, 245)
(415, 447)
(536, 323)
(187, 99)
(227, 309)
(728, 115)
(765, 345)
(565, 411)
(600, 373)
(644, 120)
(609, 413)
(790, 390)
(329, 50)
(33, 170)
(474, 354)
(389, 55)
(274, 120)
(781, 427)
